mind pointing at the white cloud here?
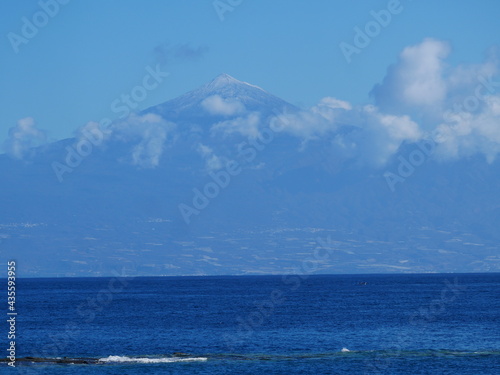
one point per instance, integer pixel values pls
(329, 103)
(421, 96)
(416, 80)
(466, 133)
(457, 106)
(216, 105)
(149, 133)
(247, 126)
(317, 121)
(371, 136)
(23, 137)
(212, 161)
(383, 135)
(147, 153)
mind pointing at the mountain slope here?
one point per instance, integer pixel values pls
(241, 96)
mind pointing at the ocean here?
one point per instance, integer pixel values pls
(294, 324)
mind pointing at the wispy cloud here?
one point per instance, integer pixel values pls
(212, 161)
(247, 126)
(166, 53)
(147, 133)
(323, 118)
(23, 137)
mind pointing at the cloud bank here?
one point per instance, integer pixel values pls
(421, 97)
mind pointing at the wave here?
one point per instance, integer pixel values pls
(120, 359)
(183, 357)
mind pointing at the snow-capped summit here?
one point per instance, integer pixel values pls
(224, 80)
(229, 87)
(223, 88)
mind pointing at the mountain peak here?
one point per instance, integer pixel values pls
(190, 105)
(223, 80)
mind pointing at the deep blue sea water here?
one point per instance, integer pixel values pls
(322, 324)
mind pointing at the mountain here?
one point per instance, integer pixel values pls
(207, 183)
(238, 96)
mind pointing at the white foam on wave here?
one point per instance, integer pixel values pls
(345, 350)
(117, 358)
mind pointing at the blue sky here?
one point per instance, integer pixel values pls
(91, 52)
